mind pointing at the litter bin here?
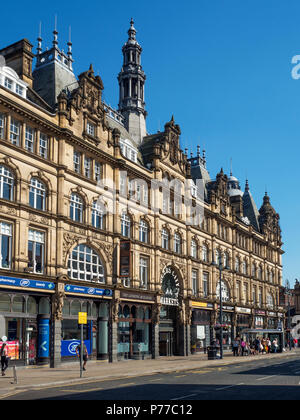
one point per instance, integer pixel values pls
(212, 352)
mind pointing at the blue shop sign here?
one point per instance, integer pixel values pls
(26, 283)
(44, 338)
(68, 347)
(69, 288)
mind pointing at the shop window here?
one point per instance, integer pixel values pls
(18, 304)
(44, 306)
(140, 313)
(147, 314)
(31, 306)
(85, 307)
(94, 310)
(66, 308)
(75, 307)
(4, 303)
(133, 312)
(126, 311)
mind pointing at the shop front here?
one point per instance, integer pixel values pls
(259, 319)
(201, 336)
(25, 311)
(96, 303)
(243, 320)
(168, 324)
(135, 325)
(227, 326)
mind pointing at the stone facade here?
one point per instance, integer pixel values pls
(64, 203)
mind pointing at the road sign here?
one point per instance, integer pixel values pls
(82, 318)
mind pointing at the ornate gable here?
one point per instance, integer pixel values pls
(86, 99)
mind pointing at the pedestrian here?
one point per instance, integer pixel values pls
(275, 345)
(257, 345)
(243, 346)
(85, 355)
(4, 358)
(269, 344)
(235, 347)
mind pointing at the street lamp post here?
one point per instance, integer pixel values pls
(221, 267)
(288, 294)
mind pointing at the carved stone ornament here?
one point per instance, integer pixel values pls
(58, 302)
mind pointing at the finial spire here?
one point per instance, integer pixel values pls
(247, 185)
(230, 166)
(132, 30)
(39, 48)
(55, 33)
(70, 43)
(198, 151)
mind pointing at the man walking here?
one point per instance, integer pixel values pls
(85, 354)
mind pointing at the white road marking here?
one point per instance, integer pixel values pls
(266, 377)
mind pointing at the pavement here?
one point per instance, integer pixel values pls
(33, 377)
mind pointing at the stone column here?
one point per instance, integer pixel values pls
(113, 328)
(56, 325)
(155, 327)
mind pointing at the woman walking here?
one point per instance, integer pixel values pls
(4, 358)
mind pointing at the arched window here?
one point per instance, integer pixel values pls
(6, 183)
(4, 303)
(270, 301)
(260, 273)
(97, 215)
(165, 239)
(253, 270)
(194, 248)
(204, 253)
(144, 231)
(125, 225)
(177, 243)
(18, 304)
(76, 208)
(237, 264)
(225, 291)
(85, 264)
(244, 267)
(31, 305)
(226, 260)
(44, 306)
(37, 194)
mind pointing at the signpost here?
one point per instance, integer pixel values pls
(82, 320)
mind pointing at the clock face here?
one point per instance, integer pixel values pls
(225, 291)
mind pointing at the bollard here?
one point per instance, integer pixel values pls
(15, 374)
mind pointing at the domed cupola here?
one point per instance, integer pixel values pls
(233, 187)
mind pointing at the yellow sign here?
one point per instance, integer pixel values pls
(82, 318)
(199, 304)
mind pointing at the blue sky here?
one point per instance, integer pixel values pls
(221, 67)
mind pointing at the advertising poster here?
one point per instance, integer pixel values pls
(13, 349)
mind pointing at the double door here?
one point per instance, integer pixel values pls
(166, 343)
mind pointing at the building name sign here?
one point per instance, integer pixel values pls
(26, 284)
(170, 287)
(243, 310)
(136, 296)
(196, 304)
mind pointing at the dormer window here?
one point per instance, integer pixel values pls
(10, 80)
(128, 150)
(8, 83)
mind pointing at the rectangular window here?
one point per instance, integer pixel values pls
(90, 128)
(195, 282)
(8, 83)
(43, 145)
(15, 132)
(19, 90)
(5, 245)
(205, 284)
(77, 161)
(144, 263)
(1, 126)
(97, 171)
(36, 242)
(29, 139)
(87, 167)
